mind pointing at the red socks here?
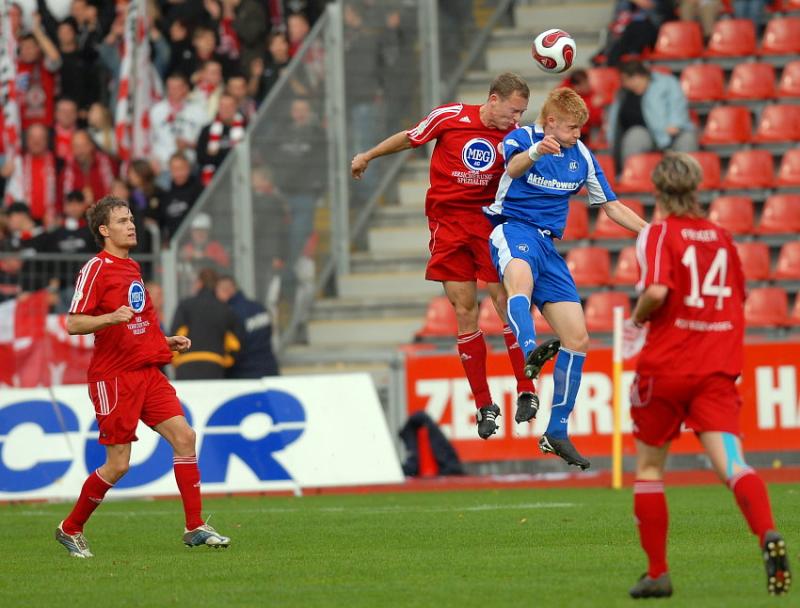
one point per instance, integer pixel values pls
(524, 384)
(753, 500)
(92, 494)
(188, 477)
(472, 350)
(652, 518)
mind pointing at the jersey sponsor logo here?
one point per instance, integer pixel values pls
(554, 184)
(136, 297)
(478, 154)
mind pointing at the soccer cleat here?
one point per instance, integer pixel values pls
(564, 449)
(527, 407)
(76, 544)
(651, 587)
(539, 356)
(779, 579)
(486, 418)
(205, 535)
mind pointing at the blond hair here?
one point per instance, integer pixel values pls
(564, 102)
(508, 83)
(676, 179)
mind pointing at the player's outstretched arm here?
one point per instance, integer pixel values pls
(394, 143)
(88, 324)
(624, 216)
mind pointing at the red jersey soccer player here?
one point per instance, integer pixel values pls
(125, 383)
(465, 171)
(692, 293)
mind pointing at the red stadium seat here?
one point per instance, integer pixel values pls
(606, 228)
(606, 162)
(755, 260)
(703, 82)
(589, 266)
(789, 85)
(732, 38)
(636, 175)
(766, 307)
(577, 222)
(678, 40)
(789, 171)
(788, 266)
(782, 36)
(599, 309)
(605, 83)
(540, 324)
(727, 125)
(627, 271)
(734, 213)
(712, 169)
(752, 81)
(794, 318)
(440, 319)
(781, 214)
(489, 322)
(778, 123)
(750, 169)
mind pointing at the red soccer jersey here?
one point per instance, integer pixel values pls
(466, 164)
(105, 283)
(700, 327)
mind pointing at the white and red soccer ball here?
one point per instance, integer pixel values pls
(554, 51)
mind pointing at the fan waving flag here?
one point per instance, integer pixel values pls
(10, 133)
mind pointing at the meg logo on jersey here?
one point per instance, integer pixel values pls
(136, 297)
(478, 154)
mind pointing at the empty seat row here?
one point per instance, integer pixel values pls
(733, 125)
(705, 82)
(756, 263)
(736, 213)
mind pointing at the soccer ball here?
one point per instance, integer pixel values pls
(554, 51)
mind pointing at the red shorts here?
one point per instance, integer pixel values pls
(119, 403)
(660, 404)
(459, 249)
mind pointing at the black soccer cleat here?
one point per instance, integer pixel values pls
(486, 418)
(651, 587)
(527, 407)
(539, 356)
(776, 560)
(564, 449)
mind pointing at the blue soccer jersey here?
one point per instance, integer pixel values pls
(541, 196)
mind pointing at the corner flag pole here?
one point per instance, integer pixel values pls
(616, 436)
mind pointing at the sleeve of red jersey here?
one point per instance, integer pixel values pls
(84, 301)
(652, 252)
(433, 124)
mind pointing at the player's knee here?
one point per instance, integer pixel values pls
(577, 342)
(185, 440)
(116, 469)
(466, 314)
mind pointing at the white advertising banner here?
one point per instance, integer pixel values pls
(252, 435)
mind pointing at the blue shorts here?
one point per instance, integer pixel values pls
(552, 281)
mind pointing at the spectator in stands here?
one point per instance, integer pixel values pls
(256, 358)
(755, 10)
(37, 66)
(396, 45)
(181, 49)
(634, 28)
(78, 79)
(704, 11)
(27, 238)
(178, 200)
(297, 28)
(272, 210)
(35, 179)
(578, 80)
(219, 137)
(208, 87)
(66, 123)
(101, 128)
(649, 113)
(72, 237)
(264, 74)
(236, 87)
(204, 44)
(145, 193)
(201, 250)
(242, 28)
(90, 170)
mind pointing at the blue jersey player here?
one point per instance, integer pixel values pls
(546, 163)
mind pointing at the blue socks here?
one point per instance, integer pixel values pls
(566, 381)
(521, 322)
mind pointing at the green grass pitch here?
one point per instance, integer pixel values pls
(487, 548)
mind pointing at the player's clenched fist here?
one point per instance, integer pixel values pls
(548, 145)
(123, 314)
(358, 165)
(179, 343)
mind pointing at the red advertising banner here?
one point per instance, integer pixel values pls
(436, 383)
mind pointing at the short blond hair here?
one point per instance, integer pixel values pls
(676, 179)
(563, 102)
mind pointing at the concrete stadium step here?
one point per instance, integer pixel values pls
(569, 16)
(364, 331)
(364, 261)
(397, 215)
(330, 309)
(411, 190)
(407, 238)
(384, 284)
(517, 57)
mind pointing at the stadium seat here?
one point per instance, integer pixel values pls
(732, 38)
(606, 162)
(489, 322)
(540, 324)
(788, 266)
(734, 213)
(712, 169)
(727, 125)
(751, 81)
(636, 175)
(440, 319)
(778, 123)
(605, 83)
(754, 256)
(789, 85)
(627, 269)
(678, 40)
(589, 266)
(781, 214)
(794, 317)
(599, 309)
(782, 36)
(577, 222)
(789, 171)
(766, 307)
(703, 82)
(750, 169)
(606, 228)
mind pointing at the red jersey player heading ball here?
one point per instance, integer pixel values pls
(125, 382)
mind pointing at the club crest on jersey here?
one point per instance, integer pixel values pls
(573, 165)
(523, 247)
(478, 154)
(136, 296)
